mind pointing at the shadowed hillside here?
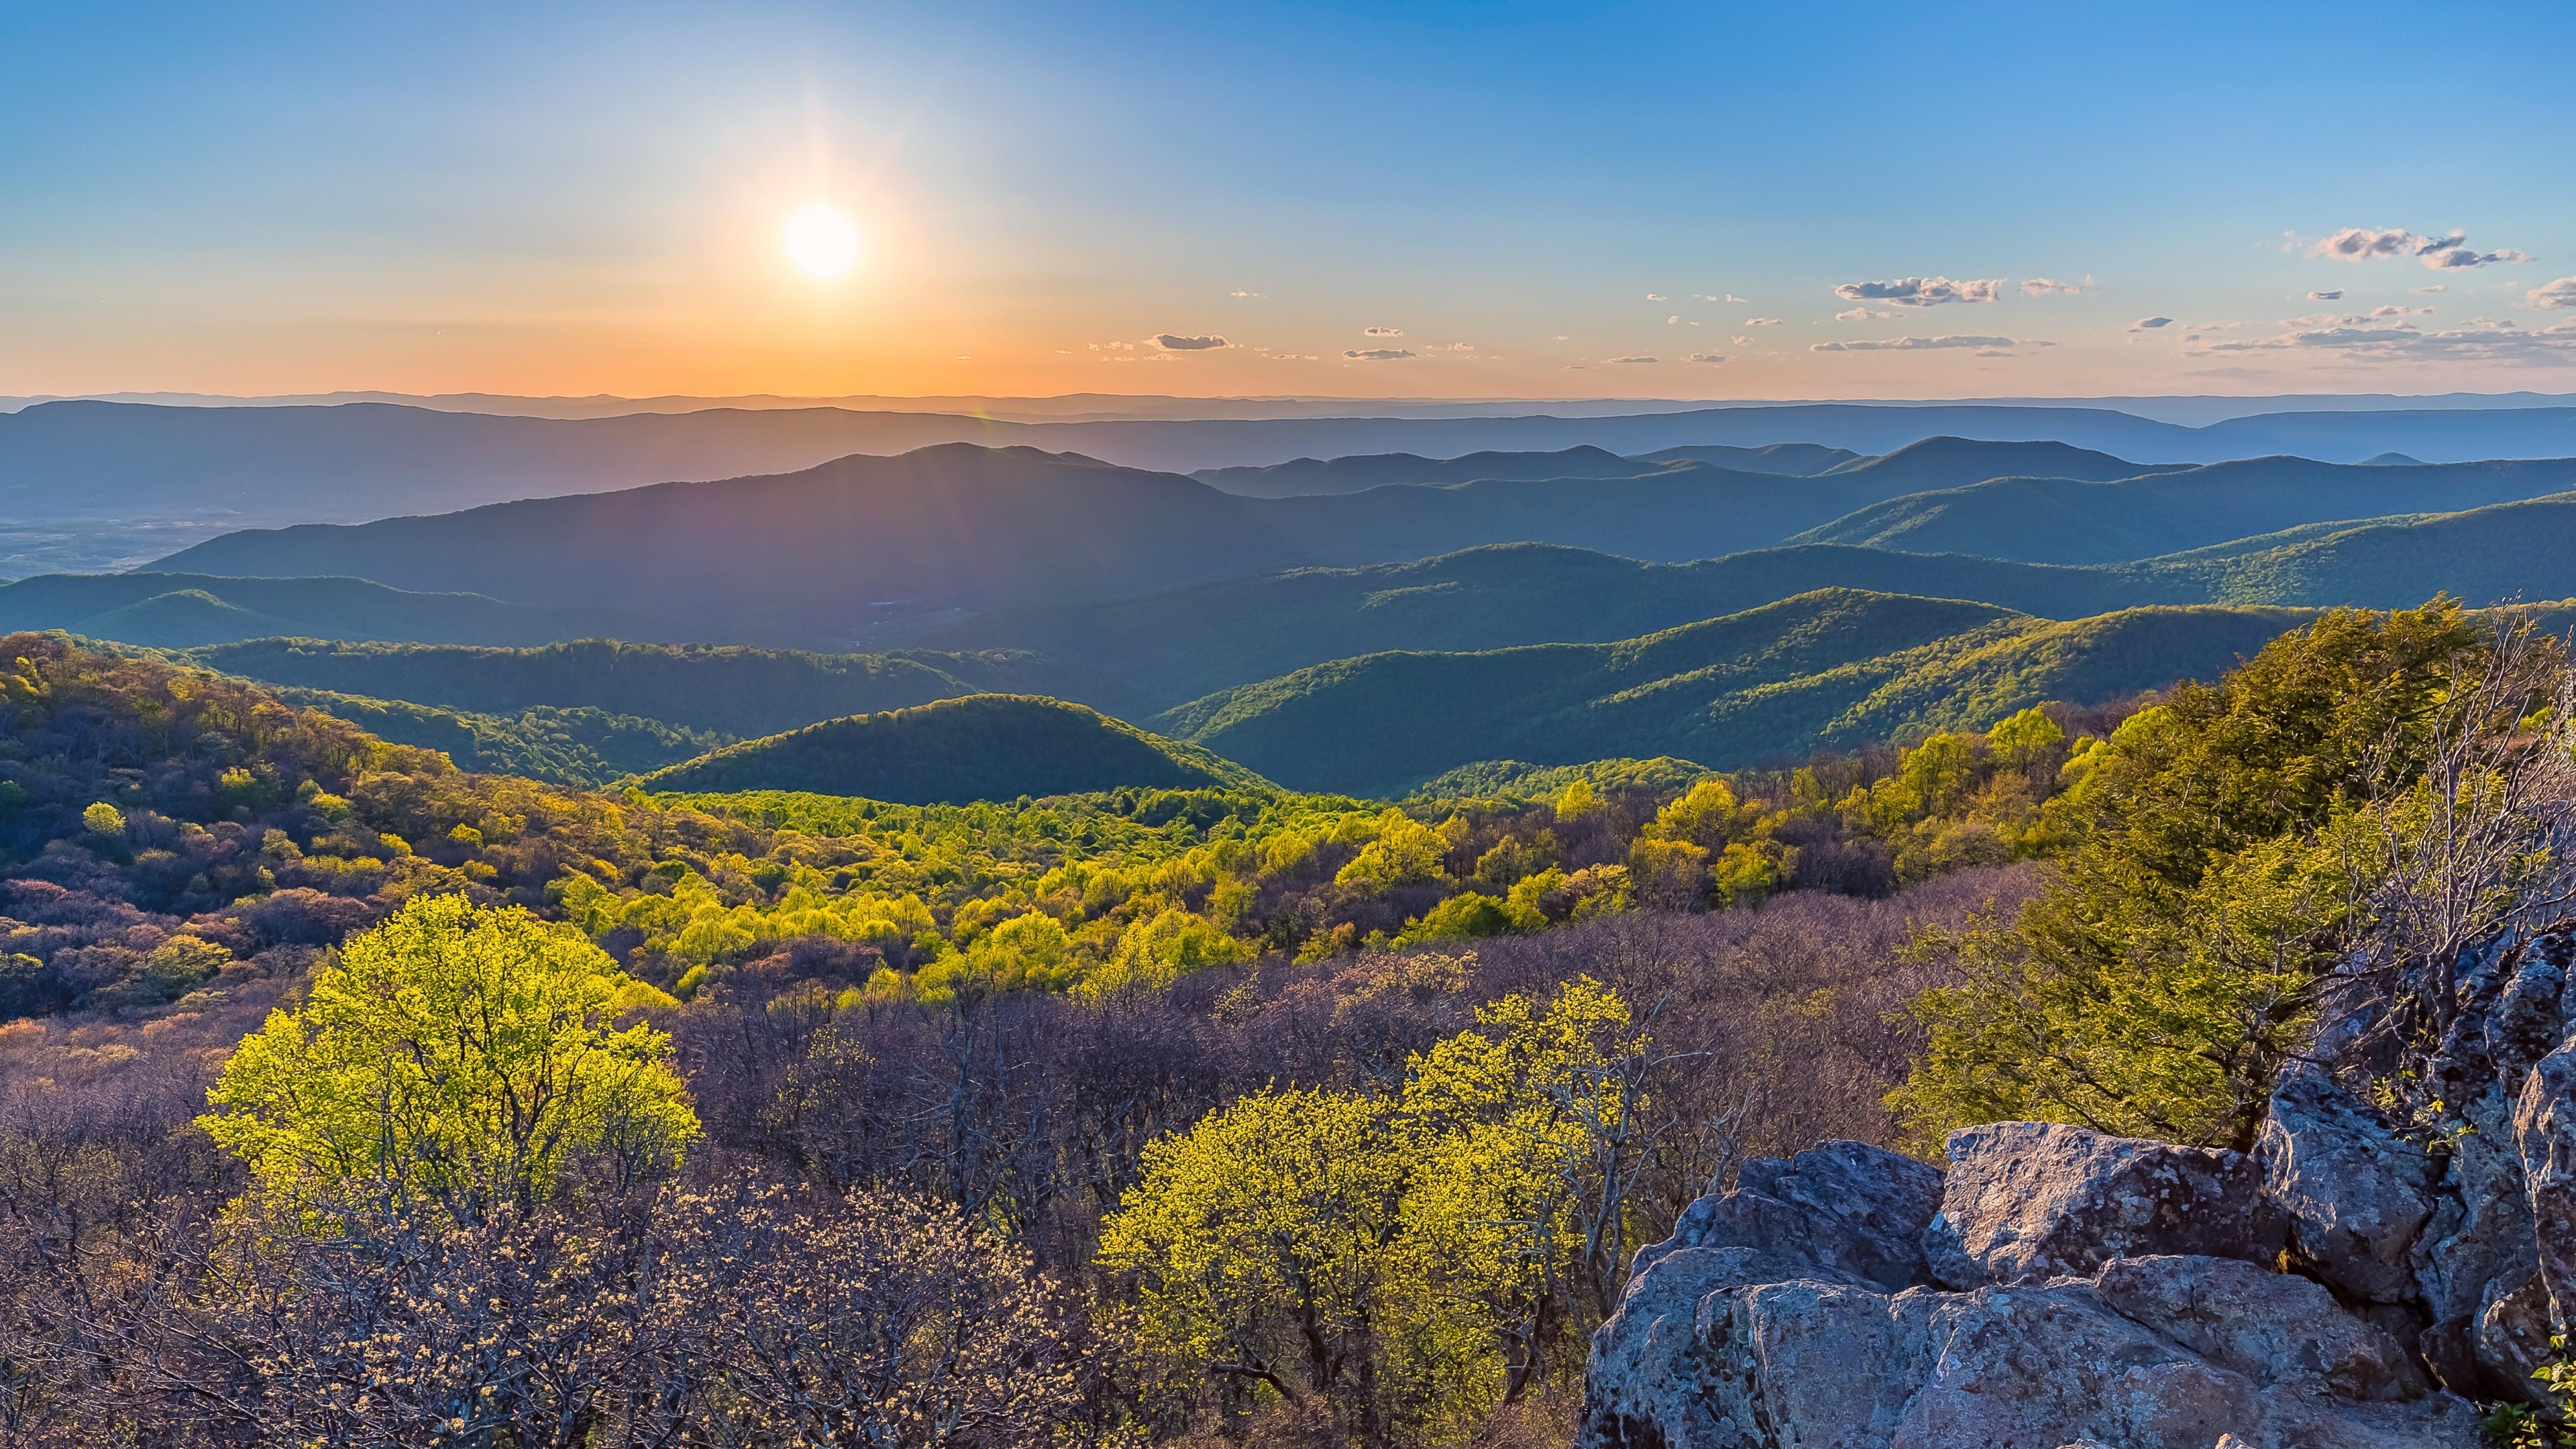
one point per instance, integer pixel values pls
(738, 692)
(983, 747)
(182, 611)
(2052, 520)
(1183, 643)
(1830, 667)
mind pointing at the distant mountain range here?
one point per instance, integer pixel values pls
(925, 540)
(1351, 475)
(114, 467)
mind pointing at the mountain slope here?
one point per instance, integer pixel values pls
(2049, 520)
(178, 611)
(2501, 553)
(736, 692)
(942, 526)
(983, 747)
(1183, 643)
(1831, 667)
(1948, 462)
(585, 747)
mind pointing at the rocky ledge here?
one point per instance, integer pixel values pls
(2350, 1284)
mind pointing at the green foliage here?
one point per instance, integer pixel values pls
(982, 747)
(461, 1055)
(1408, 1258)
(2158, 984)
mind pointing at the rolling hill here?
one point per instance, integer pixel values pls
(182, 611)
(1196, 640)
(1182, 643)
(2064, 521)
(734, 692)
(983, 747)
(590, 748)
(1831, 667)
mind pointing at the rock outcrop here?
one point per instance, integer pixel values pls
(2355, 1282)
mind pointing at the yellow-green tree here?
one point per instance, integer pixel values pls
(1401, 1261)
(1258, 1240)
(456, 1054)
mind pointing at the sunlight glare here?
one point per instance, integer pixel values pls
(821, 241)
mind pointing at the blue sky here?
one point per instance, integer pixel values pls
(286, 198)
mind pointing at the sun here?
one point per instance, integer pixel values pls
(821, 241)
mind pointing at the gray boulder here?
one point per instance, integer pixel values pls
(2354, 1192)
(2157, 1353)
(2029, 1201)
(1846, 1210)
(2544, 1130)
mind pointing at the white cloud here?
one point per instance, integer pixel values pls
(2393, 310)
(1654, 296)
(2333, 296)
(1239, 292)
(1705, 357)
(2553, 295)
(2043, 286)
(1170, 342)
(1381, 332)
(2482, 340)
(1743, 341)
(2450, 252)
(1636, 359)
(1919, 344)
(2149, 324)
(1375, 354)
(1922, 291)
(2428, 291)
(1674, 320)
(1761, 321)
(1861, 314)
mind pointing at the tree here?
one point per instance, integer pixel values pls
(1401, 1261)
(879, 1321)
(456, 1053)
(2230, 837)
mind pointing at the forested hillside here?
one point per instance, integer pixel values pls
(1829, 667)
(981, 747)
(182, 611)
(738, 692)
